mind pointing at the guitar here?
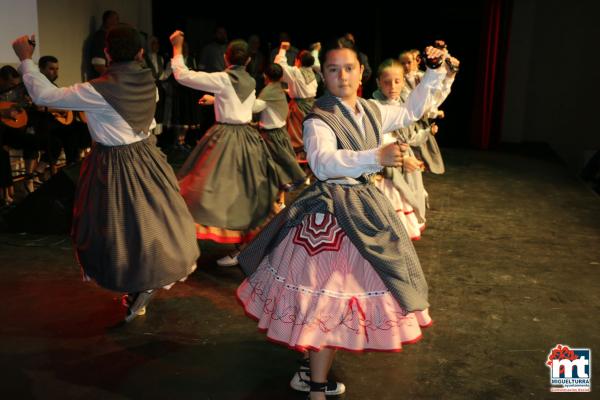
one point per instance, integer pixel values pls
(65, 117)
(13, 114)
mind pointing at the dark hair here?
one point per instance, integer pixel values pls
(45, 60)
(389, 63)
(350, 37)
(337, 44)
(306, 59)
(123, 42)
(237, 52)
(274, 72)
(406, 53)
(7, 72)
(107, 14)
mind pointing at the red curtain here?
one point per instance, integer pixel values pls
(491, 75)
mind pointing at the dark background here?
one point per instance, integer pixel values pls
(381, 32)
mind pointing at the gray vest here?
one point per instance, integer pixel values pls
(242, 82)
(349, 136)
(274, 95)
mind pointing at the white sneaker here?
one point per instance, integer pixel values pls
(227, 261)
(300, 381)
(299, 384)
(307, 182)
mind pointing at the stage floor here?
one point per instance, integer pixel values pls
(511, 253)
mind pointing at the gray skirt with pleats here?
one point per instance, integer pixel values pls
(278, 142)
(131, 228)
(230, 180)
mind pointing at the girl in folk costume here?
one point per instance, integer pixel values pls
(428, 151)
(273, 108)
(302, 88)
(336, 269)
(229, 181)
(402, 186)
(131, 230)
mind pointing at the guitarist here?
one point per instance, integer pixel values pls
(53, 134)
(48, 130)
(12, 90)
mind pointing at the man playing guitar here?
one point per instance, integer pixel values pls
(14, 104)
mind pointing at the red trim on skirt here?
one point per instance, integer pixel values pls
(303, 349)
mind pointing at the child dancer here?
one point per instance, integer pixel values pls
(229, 180)
(302, 88)
(131, 229)
(273, 108)
(336, 269)
(402, 186)
(429, 150)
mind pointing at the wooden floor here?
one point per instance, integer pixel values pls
(512, 257)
